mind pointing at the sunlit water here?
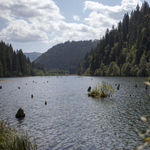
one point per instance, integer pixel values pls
(73, 121)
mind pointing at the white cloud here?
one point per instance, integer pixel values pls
(127, 5)
(77, 18)
(21, 31)
(41, 20)
(103, 16)
(130, 4)
(72, 31)
(29, 20)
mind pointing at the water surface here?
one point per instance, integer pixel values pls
(73, 121)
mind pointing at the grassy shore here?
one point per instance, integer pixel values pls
(11, 139)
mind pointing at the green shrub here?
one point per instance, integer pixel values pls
(11, 139)
(103, 90)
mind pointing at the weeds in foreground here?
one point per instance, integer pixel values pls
(145, 134)
(103, 90)
(11, 139)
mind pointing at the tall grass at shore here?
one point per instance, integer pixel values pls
(11, 139)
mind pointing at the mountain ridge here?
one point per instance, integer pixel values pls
(33, 55)
(66, 56)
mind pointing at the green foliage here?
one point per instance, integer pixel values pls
(142, 66)
(116, 70)
(1, 70)
(97, 72)
(79, 70)
(103, 90)
(126, 46)
(11, 139)
(113, 69)
(110, 69)
(134, 70)
(126, 69)
(87, 72)
(56, 72)
(66, 56)
(101, 71)
(14, 63)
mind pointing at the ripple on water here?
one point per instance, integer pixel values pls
(73, 121)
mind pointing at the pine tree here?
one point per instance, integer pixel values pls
(1, 69)
(143, 66)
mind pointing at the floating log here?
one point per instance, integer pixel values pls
(20, 113)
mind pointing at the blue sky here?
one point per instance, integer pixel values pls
(37, 25)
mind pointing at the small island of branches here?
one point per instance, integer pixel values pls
(103, 90)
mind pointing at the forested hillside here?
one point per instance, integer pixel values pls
(14, 63)
(66, 56)
(124, 50)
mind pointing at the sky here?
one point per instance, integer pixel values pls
(38, 25)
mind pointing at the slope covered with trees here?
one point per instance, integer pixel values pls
(14, 63)
(66, 56)
(122, 51)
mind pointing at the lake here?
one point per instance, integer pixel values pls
(73, 121)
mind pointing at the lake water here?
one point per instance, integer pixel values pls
(73, 121)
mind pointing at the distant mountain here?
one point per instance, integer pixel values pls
(33, 55)
(66, 56)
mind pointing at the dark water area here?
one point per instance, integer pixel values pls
(73, 121)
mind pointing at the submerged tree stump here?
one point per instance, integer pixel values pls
(20, 113)
(31, 95)
(118, 86)
(146, 87)
(89, 89)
